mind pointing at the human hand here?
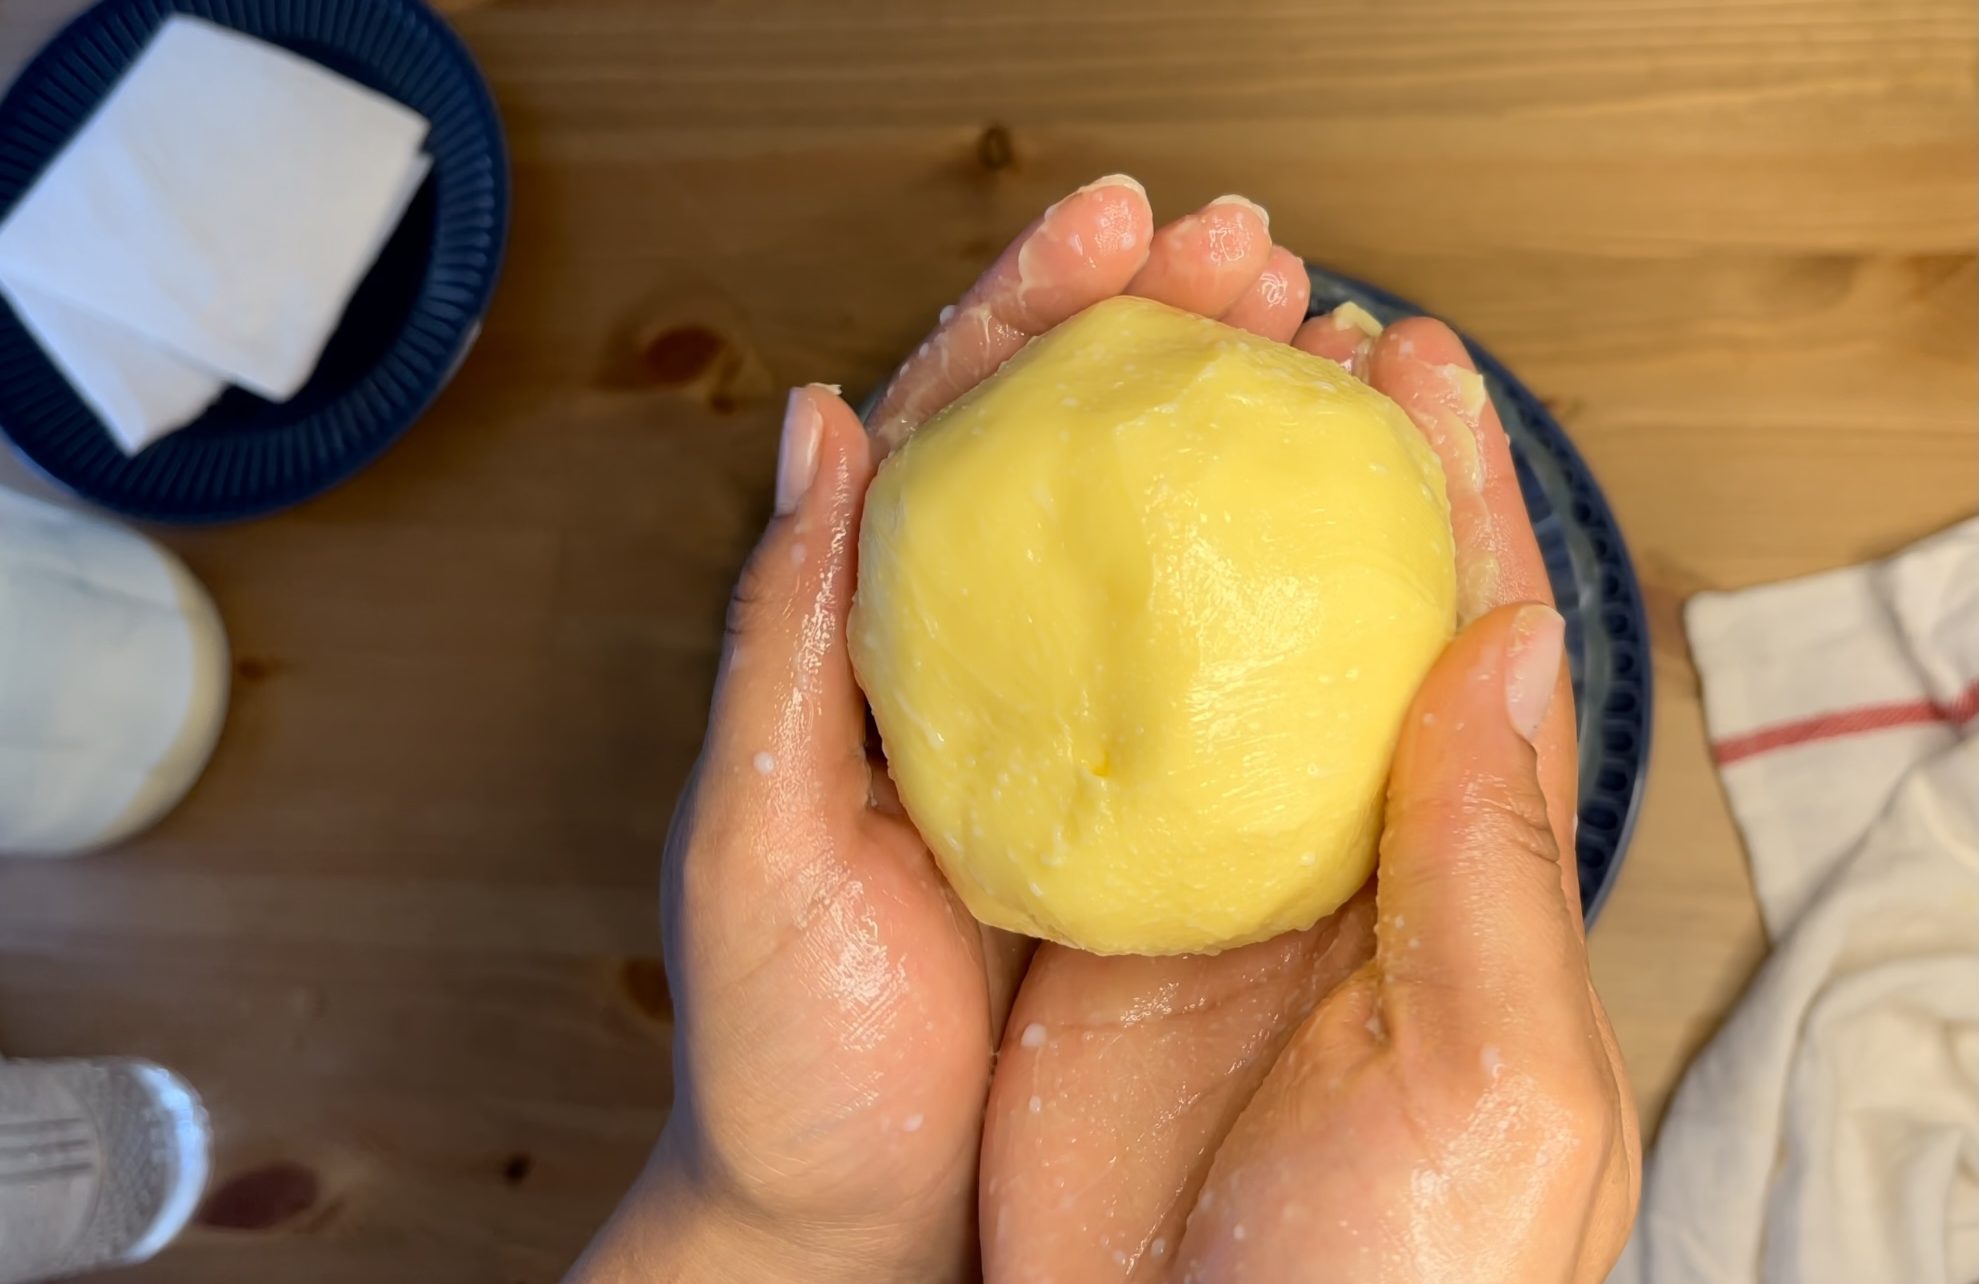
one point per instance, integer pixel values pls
(836, 1007)
(1455, 1109)
(1421, 1087)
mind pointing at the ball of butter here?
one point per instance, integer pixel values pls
(1140, 618)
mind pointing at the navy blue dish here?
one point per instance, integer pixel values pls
(406, 329)
(1595, 584)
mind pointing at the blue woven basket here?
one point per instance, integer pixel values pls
(405, 331)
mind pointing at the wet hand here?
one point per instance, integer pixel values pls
(836, 1008)
(1402, 1068)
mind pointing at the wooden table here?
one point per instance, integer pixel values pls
(402, 936)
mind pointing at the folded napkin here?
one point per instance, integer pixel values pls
(207, 225)
(1829, 1134)
(140, 390)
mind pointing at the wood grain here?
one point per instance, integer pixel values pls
(402, 935)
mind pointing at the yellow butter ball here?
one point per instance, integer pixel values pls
(1140, 618)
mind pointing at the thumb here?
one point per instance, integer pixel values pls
(1475, 940)
(787, 713)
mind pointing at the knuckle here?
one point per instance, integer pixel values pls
(1484, 813)
(1562, 1115)
(1585, 1095)
(1581, 1097)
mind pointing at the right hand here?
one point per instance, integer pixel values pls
(1155, 1076)
(1454, 1111)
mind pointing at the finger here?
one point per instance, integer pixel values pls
(1423, 367)
(1203, 262)
(1475, 940)
(1116, 1080)
(1275, 303)
(1085, 248)
(830, 1019)
(1006, 958)
(1298, 1186)
(788, 719)
(1346, 335)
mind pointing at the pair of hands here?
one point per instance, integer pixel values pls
(870, 1085)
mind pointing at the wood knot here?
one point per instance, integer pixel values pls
(995, 150)
(249, 669)
(517, 1167)
(692, 345)
(261, 1198)
(677, 357)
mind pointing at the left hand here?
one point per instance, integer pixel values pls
(836, 1008)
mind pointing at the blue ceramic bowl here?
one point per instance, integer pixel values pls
(406, 329)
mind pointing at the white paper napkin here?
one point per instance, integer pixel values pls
(138, 389)
(142, 390)
(207, 225)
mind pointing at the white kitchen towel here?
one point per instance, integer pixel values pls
(142, 390)
(222, 203)
(1829, 1134)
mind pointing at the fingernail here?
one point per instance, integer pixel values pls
(1467, 386)
(1115, 180)
(1104, 181)
(797, 451)
(1532, 666)
(1231, 198)
(1352, 316)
